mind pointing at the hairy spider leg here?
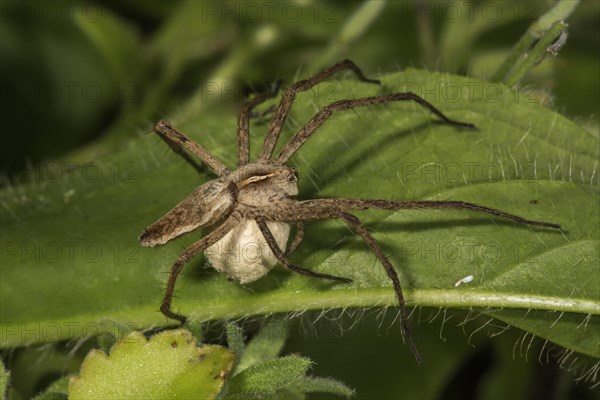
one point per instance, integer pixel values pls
(244, 126)
(361, 230)
(178, 141)
(323, 114)
(289, 95)
(262, 224)
(195, 249)
(317, 209)
(297, 239)
(328, 207)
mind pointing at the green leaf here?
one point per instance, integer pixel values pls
(235, 342)
(268, 378)
(326, 385)
(166, 366)
(266, 345)
(4, 378)
(52, 396)
(56, 391)
(111, 332)
(70, 255)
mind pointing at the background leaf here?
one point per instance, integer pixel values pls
(70, 260)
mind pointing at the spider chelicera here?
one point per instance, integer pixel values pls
(255, 203)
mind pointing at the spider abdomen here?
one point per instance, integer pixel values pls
(243, 254)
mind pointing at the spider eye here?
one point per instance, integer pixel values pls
(294, 176)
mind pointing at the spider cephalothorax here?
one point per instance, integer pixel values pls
(254, 205)
(242, 254)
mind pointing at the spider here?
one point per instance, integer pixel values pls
(255, 203)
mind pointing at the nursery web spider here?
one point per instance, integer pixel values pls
(255, 203)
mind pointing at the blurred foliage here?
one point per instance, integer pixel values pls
(82, 80)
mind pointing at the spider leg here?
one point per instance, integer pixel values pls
(198, 247)
(336, 208)
(178, 142)
(244, 124)
(262, 225)
(360, 229)
(327, 208)
(323, 114)
(297, 239)
(288, 99)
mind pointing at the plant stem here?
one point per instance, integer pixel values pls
(537, 30)
(537, 53)
(427, 41)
